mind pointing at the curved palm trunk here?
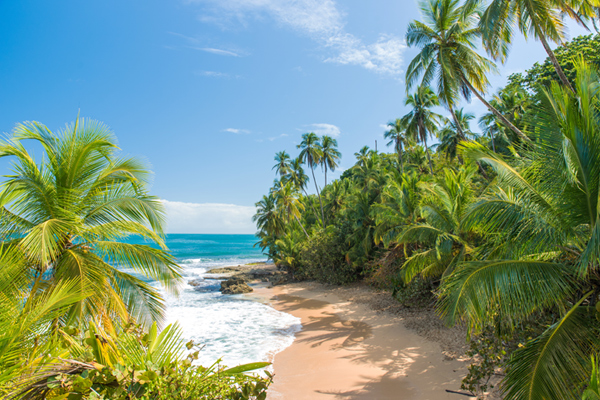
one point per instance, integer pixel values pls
(557, 67)
(496, 112)
(399, 151)
(458, 127)
(428, 156)
(301, 226)
(461, 134)
(318, 194)
(311, 203)
(423, 134)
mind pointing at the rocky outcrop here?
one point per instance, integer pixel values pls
(235, 286)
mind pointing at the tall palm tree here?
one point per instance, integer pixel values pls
(447, 60)
(267, 216)
(449, 136)
(362, 154)
(299, 179)
(282, 166)
(70, 213)
(541, 19)
(285, 196)
(396, 136)
(330, 156)
(311, 154)
(543, 228)
(421, 122)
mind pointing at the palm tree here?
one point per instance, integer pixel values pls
(267, 216)
(311, 154)
(421, 122)
(69, 215)
(299, 179)
(512, 102)
(362, 154)
(395, 134)
(449, 136)
(398, 207)
(282, 166)
(447, 59)
(443, 240)
(25, 321)
(543, 228)
(330, 156)
(287, 200)
(542, 20)
(417, 158)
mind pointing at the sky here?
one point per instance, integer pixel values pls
(207, 91)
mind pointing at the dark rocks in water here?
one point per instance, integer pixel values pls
(196, 282)
(235, 286)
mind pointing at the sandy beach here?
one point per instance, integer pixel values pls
(356, 344)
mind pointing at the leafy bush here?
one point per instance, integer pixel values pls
(323, 258)
(133, 364)
(417, 293)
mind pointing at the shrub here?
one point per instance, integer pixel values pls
(323, 258)
(132, 364)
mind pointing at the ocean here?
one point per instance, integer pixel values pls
(235, 328)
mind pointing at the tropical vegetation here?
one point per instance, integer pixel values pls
(498, 227)
(78, 319)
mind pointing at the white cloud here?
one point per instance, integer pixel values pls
(319, 19)
(278, 137)
(326, 129)
(208, 218)
(195, 44)
(213, 74)
(237, 131)
(383, 56)
(220, 52)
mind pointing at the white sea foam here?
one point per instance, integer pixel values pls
(234, 328)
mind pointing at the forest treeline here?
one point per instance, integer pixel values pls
(496, 227)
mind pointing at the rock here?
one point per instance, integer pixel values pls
(196, 282)
(279, 279)
(235, 286)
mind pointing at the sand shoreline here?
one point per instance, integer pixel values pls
(349, 350)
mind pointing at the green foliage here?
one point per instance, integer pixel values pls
(542, 74)
(135, 364)
(592, 392)
(69, 213)
(507, 224)
(418, 293)
(323, 258)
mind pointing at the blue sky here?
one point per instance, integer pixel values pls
(208, 90)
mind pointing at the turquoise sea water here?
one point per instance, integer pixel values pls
(234, 328)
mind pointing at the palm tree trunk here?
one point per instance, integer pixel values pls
(311, 203)
(461, 134)
(399, 151)
(496, 112)
(557, 67)
(456, 123)
(423, 135)
(428, 156)
(325, 166)
(303, 230)
(493, 144)
(318, 194)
